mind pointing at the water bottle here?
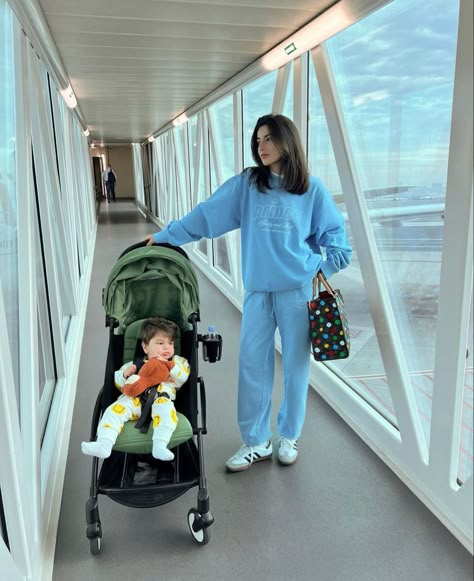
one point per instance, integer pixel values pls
(212, 345)
(212, 333)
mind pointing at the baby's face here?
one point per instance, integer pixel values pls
(160, 346)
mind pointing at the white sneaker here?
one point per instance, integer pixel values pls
(288, 451)
(247, 455)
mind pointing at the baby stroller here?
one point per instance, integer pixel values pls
(149, 281)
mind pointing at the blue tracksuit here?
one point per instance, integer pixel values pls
(281, 235)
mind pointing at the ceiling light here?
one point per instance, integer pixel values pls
(92, 145)
(151, 139)
(180, 120)
(87, 132)
(69, 97)
(317, 31)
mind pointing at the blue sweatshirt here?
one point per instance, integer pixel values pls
(281, 233)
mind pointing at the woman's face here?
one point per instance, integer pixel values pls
(267, 149)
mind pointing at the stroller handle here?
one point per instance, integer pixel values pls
(143, 243)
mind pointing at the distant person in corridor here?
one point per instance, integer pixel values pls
(109, 178)
(288, 222)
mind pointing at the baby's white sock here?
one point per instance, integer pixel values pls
(160, 451)
(101, 448)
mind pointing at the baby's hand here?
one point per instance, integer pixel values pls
(130, 370)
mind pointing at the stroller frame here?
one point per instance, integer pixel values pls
(174, 478)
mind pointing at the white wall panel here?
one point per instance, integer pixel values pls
(56, 224)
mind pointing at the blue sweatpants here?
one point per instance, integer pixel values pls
(262, 313)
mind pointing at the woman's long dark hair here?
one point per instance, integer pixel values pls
(294, 167)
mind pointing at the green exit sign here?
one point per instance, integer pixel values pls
(290, 48)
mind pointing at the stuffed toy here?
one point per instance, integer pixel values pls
(153, 372)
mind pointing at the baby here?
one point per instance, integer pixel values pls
(161, 366)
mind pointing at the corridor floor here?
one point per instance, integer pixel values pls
(339, 514)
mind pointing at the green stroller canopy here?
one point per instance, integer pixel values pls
(151, 281)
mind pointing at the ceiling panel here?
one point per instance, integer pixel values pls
(126, 27)
(134, 66)
(147, 42)
(190, 12)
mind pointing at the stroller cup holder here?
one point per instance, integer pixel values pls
(211, 347)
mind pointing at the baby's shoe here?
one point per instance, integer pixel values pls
(161, 452)
(100, 448)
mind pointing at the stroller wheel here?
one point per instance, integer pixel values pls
(200, 534)
(95, 546)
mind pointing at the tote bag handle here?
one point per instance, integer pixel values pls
(319, 280)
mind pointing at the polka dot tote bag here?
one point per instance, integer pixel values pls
(328, 326)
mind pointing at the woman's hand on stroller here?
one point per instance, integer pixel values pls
(149, 239)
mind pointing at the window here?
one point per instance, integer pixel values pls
(197, 144)
(222, 164)
(396, 85)
(8, 189)
(257, 101)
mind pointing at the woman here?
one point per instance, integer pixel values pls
(285, 217)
